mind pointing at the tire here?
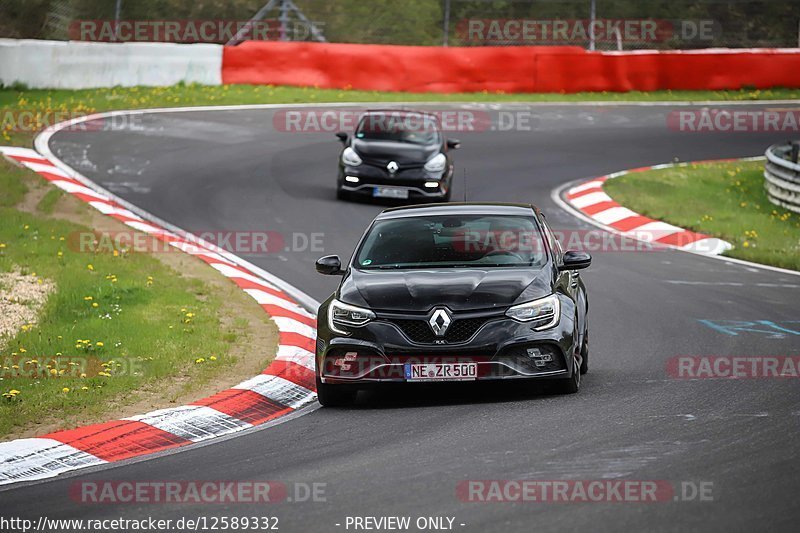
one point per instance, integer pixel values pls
(334, 395)
(585, 353)
(572, 384)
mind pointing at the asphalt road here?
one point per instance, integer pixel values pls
(404, 453)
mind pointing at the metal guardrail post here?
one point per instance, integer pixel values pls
(782, 175)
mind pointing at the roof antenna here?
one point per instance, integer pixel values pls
(465, 185)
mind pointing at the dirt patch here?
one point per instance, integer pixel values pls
(21, 298)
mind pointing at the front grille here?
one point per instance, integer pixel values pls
(460, 330)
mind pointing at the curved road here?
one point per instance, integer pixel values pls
(402, 455)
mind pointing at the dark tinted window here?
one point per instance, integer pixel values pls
(481, 241)
(415, 128)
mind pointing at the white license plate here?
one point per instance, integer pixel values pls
(390, 192)
(441, 371)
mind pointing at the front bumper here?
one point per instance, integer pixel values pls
(500, 347)
(413, 180)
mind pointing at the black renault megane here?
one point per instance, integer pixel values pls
(396, 154)
(453, 292)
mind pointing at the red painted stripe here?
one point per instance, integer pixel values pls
(49, 176)
(275, 310)
(288, 338)
(597, 188)
(123, 218)
(633, 222)
(250, 284)
(245, 405)
(638, 169)
(681, 238)
(599, 207)
(118, 439)
(293, 372)
(88, 198)
(25, 159)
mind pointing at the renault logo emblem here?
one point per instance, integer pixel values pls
(439, 322)
(392, 167)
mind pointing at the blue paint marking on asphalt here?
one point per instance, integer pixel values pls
(767, 328)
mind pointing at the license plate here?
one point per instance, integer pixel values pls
(390, 192)
(441, 371)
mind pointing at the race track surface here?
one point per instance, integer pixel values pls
(396, 453)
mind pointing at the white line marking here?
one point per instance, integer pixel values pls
(591, 199)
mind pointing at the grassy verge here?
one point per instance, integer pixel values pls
(726, 200)
(48, 102)
(123, 332)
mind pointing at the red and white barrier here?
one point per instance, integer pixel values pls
(510, 69)
(287, 385)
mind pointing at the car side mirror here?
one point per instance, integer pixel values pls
(330, 265)
(342, 136)
(574, 260)
(453, 144)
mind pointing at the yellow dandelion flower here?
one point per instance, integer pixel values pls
(65, 390)
(90, 266)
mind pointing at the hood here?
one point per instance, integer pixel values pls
(404, 154)
(458, 289)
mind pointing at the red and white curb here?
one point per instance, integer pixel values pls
(287, 385)
(591, 200)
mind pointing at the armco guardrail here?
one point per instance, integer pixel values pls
(782, 175)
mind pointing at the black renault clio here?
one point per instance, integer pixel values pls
(453, 292)
(396, 154)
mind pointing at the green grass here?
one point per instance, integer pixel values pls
(726, 200)
(69, 102)
(105, 298)
(48, 201)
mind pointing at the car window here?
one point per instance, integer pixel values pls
(483, 241)
(414, 128)
(555, 245)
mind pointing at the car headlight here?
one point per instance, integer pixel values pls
(543, 313)
(350, 157)
(346, 315)
(436, 163)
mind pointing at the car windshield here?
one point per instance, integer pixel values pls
(415, 128)
(452, 241)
